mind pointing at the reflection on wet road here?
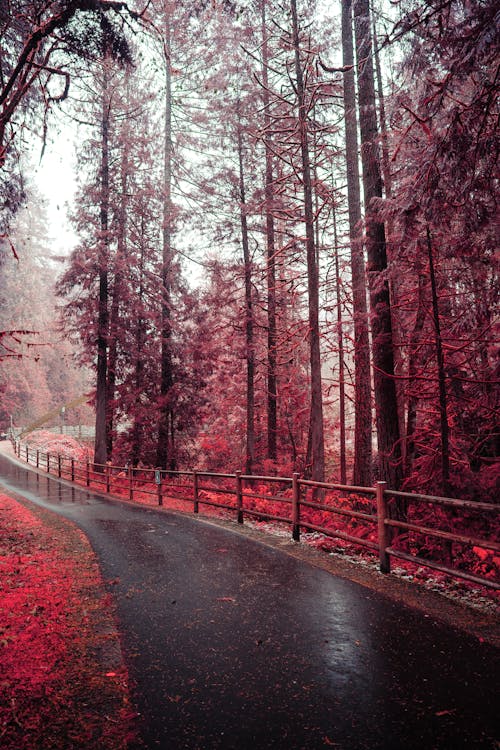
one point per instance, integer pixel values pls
(231, 644)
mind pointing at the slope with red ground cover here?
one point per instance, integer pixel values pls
(62, 681)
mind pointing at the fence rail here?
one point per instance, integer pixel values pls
(368, 517)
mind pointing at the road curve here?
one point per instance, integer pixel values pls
(232, 644)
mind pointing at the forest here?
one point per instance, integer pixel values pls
(287, 235)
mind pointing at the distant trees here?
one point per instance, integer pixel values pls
(36, 371)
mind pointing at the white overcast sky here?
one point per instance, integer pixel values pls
(54, 176)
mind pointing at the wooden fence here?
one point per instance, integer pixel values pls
(363, 516)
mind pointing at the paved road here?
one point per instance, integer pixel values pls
(234, 645)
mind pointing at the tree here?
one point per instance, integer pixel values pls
(445, 211)
(386, 405)
(272, 385)
(37, 374)
(249, 322)
(38, 43)
(166, 377)
(362, 386)
(101, 400)
(317, 437)
(36, 37)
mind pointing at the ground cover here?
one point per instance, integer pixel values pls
(62, 681)
(54, 443)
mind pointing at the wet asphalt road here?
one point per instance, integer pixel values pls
(231, 644)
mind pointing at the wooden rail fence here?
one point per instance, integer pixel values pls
(368, 513)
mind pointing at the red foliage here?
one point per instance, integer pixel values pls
(52, 693)
(51, 442)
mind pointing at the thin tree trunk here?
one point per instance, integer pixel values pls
(411, 418)
(137, 431)
(272, 395)
(386, 164)
(362, 469)
(316, 419)
(443, 405)
(249, 335)
(340, 342)
(386, 404)
(166, 376)
(100, 443)
(114, 322)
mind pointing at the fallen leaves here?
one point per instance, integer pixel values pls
(53, 693)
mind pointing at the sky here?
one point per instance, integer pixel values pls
(54, 176)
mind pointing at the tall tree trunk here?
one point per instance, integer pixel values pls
(362, 469)
(272, 388)
(137, 430)
(166, 377)
(249, 335)
(100, 443)
(114, 322)
(443, 405)
(394, 277)
(316, 419)
(386, 404)
(340, 342)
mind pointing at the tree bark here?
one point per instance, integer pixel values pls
(249, 333)
(394, 277)
(316, 418)
(166, 377)
(114, 322)
(137, 430)
(272, 387)
(340, 342)
(362, 469)
(100, 443)
(443, 405)
(389, 449)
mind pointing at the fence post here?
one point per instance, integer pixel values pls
(37, 458)
(72, 469)
(239, 497)
(160, 496)
(196, 506)
(87, 473)
(107, 479)
(295, 507)
(48, 463)
(59, 465)
(383, 531)
(27, 455)
(130, 483)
